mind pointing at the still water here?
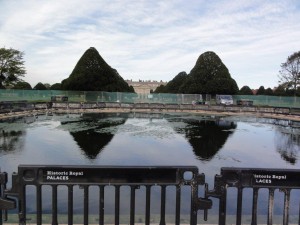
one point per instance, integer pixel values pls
(207, 142)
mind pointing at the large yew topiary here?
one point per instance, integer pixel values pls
(92, 73)
(209, 76)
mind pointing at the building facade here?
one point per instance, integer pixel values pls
(145, 87)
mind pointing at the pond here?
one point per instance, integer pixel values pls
(208, 142)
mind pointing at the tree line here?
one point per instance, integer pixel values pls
(209, 76)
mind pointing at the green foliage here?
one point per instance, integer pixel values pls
(172, 86)
(261, 91)
(131, 89)
(298, 92)
(47, 85)
(11, 66)
(280, 91)
(209, 76)
(245, 90)
(221, 86)
(40, 86)
(56, 86)
(285, 90)
(92, 73)
(269, 91)
(160, 89)
(22, 85)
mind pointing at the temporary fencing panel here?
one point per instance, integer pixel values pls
(125, 97)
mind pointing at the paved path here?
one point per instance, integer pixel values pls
(119, 110)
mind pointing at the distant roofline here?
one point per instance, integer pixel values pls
(146, 81)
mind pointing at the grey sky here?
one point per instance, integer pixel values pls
(152, 40)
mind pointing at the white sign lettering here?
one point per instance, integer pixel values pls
(52, 175)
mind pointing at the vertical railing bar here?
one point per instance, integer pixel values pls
(299, 215)
(286, 206)
(5, 215)
(54, 205)
(117, 205)
(222, 207)
(178, 203)
(132, 204)
(205, 194)
(239, 206)
(194, 199)
(148, 203)
(254, 206)
(70, 204)
(163, 206)
(270, 206)
(1, 195)
(86, 205)
(101, 206)
(22, 208)
(2, 188)
(39, 204)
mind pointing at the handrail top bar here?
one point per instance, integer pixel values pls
(106, 166)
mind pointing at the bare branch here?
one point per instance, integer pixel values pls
(290, 71)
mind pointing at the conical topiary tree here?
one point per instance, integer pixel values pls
(209, 76)
(92, 73)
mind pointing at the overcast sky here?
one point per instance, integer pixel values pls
(152, 40)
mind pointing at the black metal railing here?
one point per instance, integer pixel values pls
(256, 179)
(85, 177)
(32, 182)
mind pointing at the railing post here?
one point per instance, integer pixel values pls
(3, 180)
(219, 192)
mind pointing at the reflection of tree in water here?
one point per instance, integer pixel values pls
(11, 140)
(95, 133)
(206, 136)
(91, 142)
(287, 142)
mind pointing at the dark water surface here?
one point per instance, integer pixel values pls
(207, 142)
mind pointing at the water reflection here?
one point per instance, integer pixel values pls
(287, 142)
(11, 140)
(147, 139)
(90, 131)
(91, 142)
(12, 135)
(206, 137)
